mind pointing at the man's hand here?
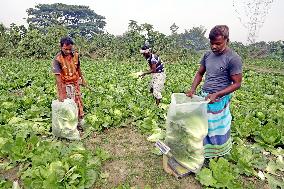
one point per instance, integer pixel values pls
(190, 93)
(61, 98)
(212, 97)
(142, 75)
(82, 82)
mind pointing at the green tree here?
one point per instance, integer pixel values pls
(194, 39)
(38, 45)
(174, 28)
(134, 26)
(132, 39)
(10, 38)
(16, 33)
(4, 41)
(76, 18)
(282, 47)
(104, 45)
(258, 50)
(32, 45)
(275, 49)
(240, 48)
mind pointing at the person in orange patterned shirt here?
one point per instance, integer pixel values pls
(69, 77)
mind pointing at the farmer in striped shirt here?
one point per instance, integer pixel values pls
(157, 72)
(223, 75)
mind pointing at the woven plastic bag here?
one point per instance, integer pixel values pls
(187, 126)
(65, 119)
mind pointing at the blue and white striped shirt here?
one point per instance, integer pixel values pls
(155, 59)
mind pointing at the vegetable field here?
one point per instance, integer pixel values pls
(118, 101)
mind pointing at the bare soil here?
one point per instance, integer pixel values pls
(133, 163)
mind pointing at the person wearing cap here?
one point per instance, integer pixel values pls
(156, 70)
(222, 68)
(68, 75)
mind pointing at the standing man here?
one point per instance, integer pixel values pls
(66, 67)
(223, 75)
(157, 72)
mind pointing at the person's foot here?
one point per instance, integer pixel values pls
(206, 162)
(158, 101)
(80, 128)
(80, 125)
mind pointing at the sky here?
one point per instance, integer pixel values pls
(186, 14)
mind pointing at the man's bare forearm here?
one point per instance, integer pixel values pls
(229, 89)
(196, 81)
(59, 87)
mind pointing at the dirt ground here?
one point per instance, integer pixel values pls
(133, 163)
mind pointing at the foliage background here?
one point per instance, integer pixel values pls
(48, 23)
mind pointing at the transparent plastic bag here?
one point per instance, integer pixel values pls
(187, 126)
(65, 119)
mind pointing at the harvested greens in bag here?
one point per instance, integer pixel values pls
(65, 119)
(187, 126)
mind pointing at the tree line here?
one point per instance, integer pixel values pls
(47, 23)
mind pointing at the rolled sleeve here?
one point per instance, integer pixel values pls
(235, 66)
(56, 68)
(203, 60)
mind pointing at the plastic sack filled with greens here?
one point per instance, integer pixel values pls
(65, 119)
(187, 126)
